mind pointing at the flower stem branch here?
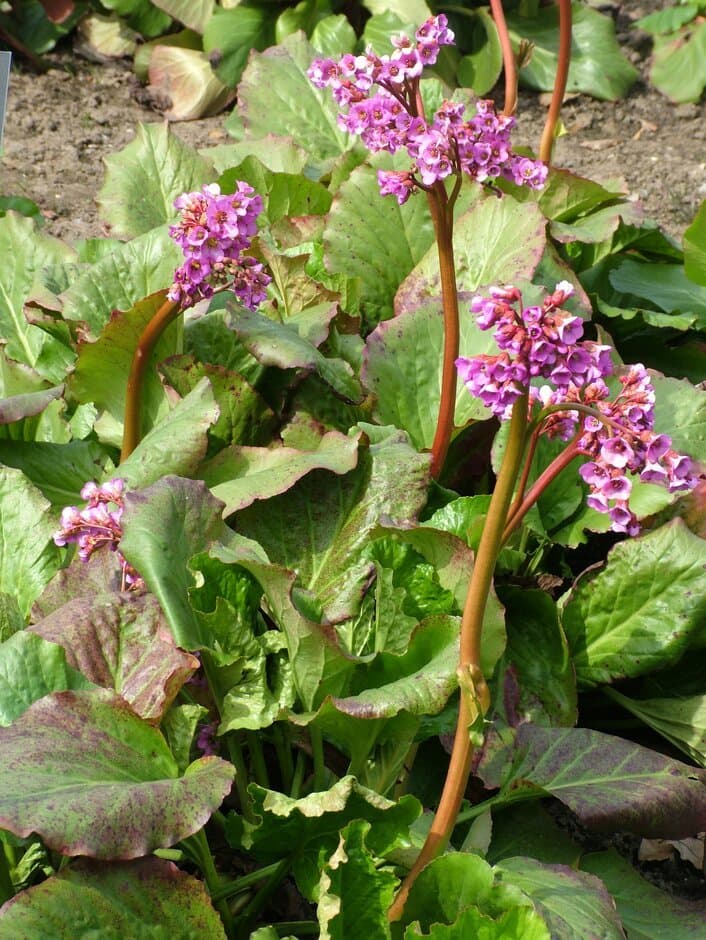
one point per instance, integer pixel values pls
(165, 315)
(509, 61)
(471, 633)
(546, 144)
(538, 487)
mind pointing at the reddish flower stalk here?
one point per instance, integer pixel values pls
(546, 145)
(509, 61)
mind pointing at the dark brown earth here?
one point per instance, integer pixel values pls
(61, 124)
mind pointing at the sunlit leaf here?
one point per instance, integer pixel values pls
(147, 897)
(184, 77)
(89, 776)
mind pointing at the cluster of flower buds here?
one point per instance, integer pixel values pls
(98, 525)
(615, 431)
(213, 232)
(379, 96)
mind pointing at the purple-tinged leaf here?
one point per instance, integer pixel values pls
(88, 775)
(608, 782)
(164, 526)
(28, 405)
(122, 642)
(572, 903)
(147, 897)
(241, 475)
(245, 418)
(646, 912)
(101, 574)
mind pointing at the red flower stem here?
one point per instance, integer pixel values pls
(546, 144)
(442, 216)
(509, 61)
(167, 313)
(469, 667)
(538, 487)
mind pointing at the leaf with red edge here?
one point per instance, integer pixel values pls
(147, 897)
(122, 642)
(89, 776)
(608, 782)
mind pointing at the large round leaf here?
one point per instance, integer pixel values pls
(146, 898)
(92, 778)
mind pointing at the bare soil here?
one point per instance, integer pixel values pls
(60, 126)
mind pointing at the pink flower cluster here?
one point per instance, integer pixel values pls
(618, 431)
(213, 232)
(381, 103)
(98, 526)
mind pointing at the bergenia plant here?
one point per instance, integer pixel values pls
(292, 666)
(381, 101)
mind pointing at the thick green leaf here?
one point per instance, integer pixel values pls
(681, 719)
(283, 194)
(317, 819)
(147, 898)
(528, 829)
(241, 475)
(458, 883)
(188, 423)
(192, 13)
(669, 20)
(29, 557)
(480, 69)
(354, 894)
(102, 369)
(572, 903)
(30, 668)
(333, 36)
(275, 96)
(611, 784)
(678, 67)
(520, 923)
(597, 67)
(646, 912)
(664, 285)
(229, 35)
(144, 178)
(695, 248)
(122, 278)
(59, 471)
(122, 642)
(164, 526)
(546, 686)
(321, 526)
(372, 237)
(279, 154)
(680, 412)
(319, 667)
(498, 241)
(420, 682)
(642, 610)
(26, 253)
(282, 345)
(91, 778)
(179, 727)
(402, 368)
(245, 417)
